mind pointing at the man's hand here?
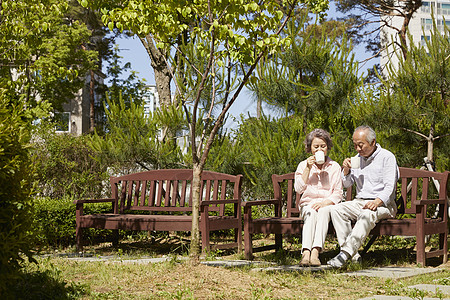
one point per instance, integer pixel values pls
(374, 204)
(346, 164)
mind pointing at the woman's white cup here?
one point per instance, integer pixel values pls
(355, 162)
(320, 157)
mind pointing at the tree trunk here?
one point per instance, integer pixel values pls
(161, 69)
(163, 77)
(196, 192)
(411, 8)
(92, 100)
(430, 141)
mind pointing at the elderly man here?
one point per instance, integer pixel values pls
(375, 180)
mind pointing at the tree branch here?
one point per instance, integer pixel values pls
(441, 136)
(247, 75)
(416, 132)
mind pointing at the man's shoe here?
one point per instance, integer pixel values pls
(357, 258)
(338, 261)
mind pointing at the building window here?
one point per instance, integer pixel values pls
(425, 7)
(428, 7)
(62, 121)
(423, 39)
(443, 9)
(427, 24)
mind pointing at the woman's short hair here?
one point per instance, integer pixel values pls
(318, 133)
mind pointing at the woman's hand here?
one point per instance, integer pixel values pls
(318, 205)
(310, 161)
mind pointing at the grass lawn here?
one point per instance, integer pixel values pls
(60, 278)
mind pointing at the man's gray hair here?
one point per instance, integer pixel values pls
(370, 133)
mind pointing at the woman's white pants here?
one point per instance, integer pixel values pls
(315, 226)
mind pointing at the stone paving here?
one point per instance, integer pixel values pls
(392, 272)
(379, 297)
(385, 272)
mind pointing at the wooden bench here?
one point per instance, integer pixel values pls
(161, 200)
(417, 201)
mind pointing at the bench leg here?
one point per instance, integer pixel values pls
(420, 250)
(444, 246)
(369, 244)
(115, 237)
(204, 231)
(238, 238)
(79, 238)
(278, 242)
(205, 242)
(248, 247)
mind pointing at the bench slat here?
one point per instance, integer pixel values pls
(183, 193)
(208, 190)
(152, 194)
(137, 188)
(123, 196)
(168, 185)
(160, 193)
(143, 193)
(129, 194)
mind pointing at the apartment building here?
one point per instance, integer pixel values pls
(75, 115)
(420, 26)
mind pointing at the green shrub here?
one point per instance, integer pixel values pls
(66, 166)
(15, 190)
(55, 222)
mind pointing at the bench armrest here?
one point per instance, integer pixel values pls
(430, 201)
(212, 202)
(261, 202)
(81, 201)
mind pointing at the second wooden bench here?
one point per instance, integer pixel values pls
(422, 210)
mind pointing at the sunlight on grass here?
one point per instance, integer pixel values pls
(63, 275)
(181, 280)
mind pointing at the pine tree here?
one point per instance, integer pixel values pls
(314, 77)
(412, 105)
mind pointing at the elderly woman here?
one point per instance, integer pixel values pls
(318, 180)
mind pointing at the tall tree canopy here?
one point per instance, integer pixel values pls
(42, 60)
(367, 19)
(225, 37)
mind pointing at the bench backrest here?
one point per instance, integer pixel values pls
(415, 184)
(283, 189)
(418, 185)
(170, 190)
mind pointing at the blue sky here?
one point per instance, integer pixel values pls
(132, 51)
